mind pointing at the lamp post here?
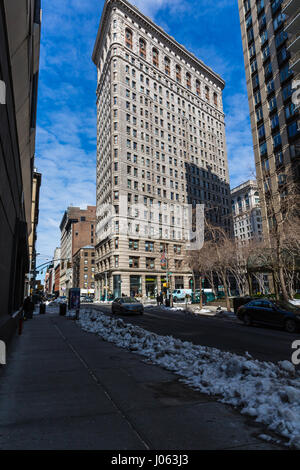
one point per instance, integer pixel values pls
(105, 286)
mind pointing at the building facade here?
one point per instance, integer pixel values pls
(20, 28)
(36, 184)
(274, 115)
(77, 229)
(160, 146)
(84, 270)
(56, 279)
(291, 9)
(247, 220)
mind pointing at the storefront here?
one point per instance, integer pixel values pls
(151, 286)
(135, 285)
(117, 286)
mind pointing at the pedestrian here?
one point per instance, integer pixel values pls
(161, 299)
(28, 308)
(158, 299)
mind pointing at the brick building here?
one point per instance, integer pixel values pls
(56, 279)
(84, 270)
(77, 230)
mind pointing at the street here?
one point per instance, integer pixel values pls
(228, 335)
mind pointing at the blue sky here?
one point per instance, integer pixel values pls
(66, 122)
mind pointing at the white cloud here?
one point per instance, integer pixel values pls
(239, 140)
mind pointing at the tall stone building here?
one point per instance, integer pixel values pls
(160, 146)
(77, 230)
(291, 8)
(20, 29)
(247, 221)
(274, 116)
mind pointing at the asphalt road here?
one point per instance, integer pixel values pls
(262, 343)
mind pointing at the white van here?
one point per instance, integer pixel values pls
(180, 294)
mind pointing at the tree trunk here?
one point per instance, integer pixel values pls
(283, 286)
(226, 292)
(201, 297)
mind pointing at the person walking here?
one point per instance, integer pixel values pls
(28, 307)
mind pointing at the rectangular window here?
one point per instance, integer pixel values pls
(261, 131)
(263, 148)
(133, 262)
(257, 97)
(285, 73)
(274, 121)
(280, 38)
(293, 129)
(272, 104)
(289, 110)
(268, 70)
(259, 114)
(287, 91)
(270, 86)
(277, 139)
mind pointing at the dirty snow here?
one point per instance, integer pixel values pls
(266, 391)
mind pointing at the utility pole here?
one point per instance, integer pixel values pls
(105, 286)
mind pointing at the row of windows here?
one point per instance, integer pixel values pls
(167, 66)
(135, 262)
(134, 244)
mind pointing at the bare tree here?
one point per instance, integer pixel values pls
(282, 210)
(223, 254)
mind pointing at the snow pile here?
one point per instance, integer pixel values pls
(204, 310)
(269, 392)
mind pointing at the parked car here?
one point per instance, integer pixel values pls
(61, 300)
(86, 299)
(127, 305)
(180, 294)
(271, 312)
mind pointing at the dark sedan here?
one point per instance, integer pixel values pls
(268, 312)
(127, 305)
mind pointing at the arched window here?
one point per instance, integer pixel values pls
(207, 93)
(178, 73)
(128, 38)
(215, 99)
(188, 80)
(155, 57)
(198, 87)
(142, 48)
(167, 65)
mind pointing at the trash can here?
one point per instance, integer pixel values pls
(62, 309)
(42, 308)
(167, 302)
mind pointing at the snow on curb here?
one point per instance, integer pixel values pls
(269, 392)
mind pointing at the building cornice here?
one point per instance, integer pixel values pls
(150, 26)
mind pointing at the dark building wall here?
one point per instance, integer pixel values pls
(13, 229)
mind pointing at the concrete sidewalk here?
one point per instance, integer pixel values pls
(64, 388)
